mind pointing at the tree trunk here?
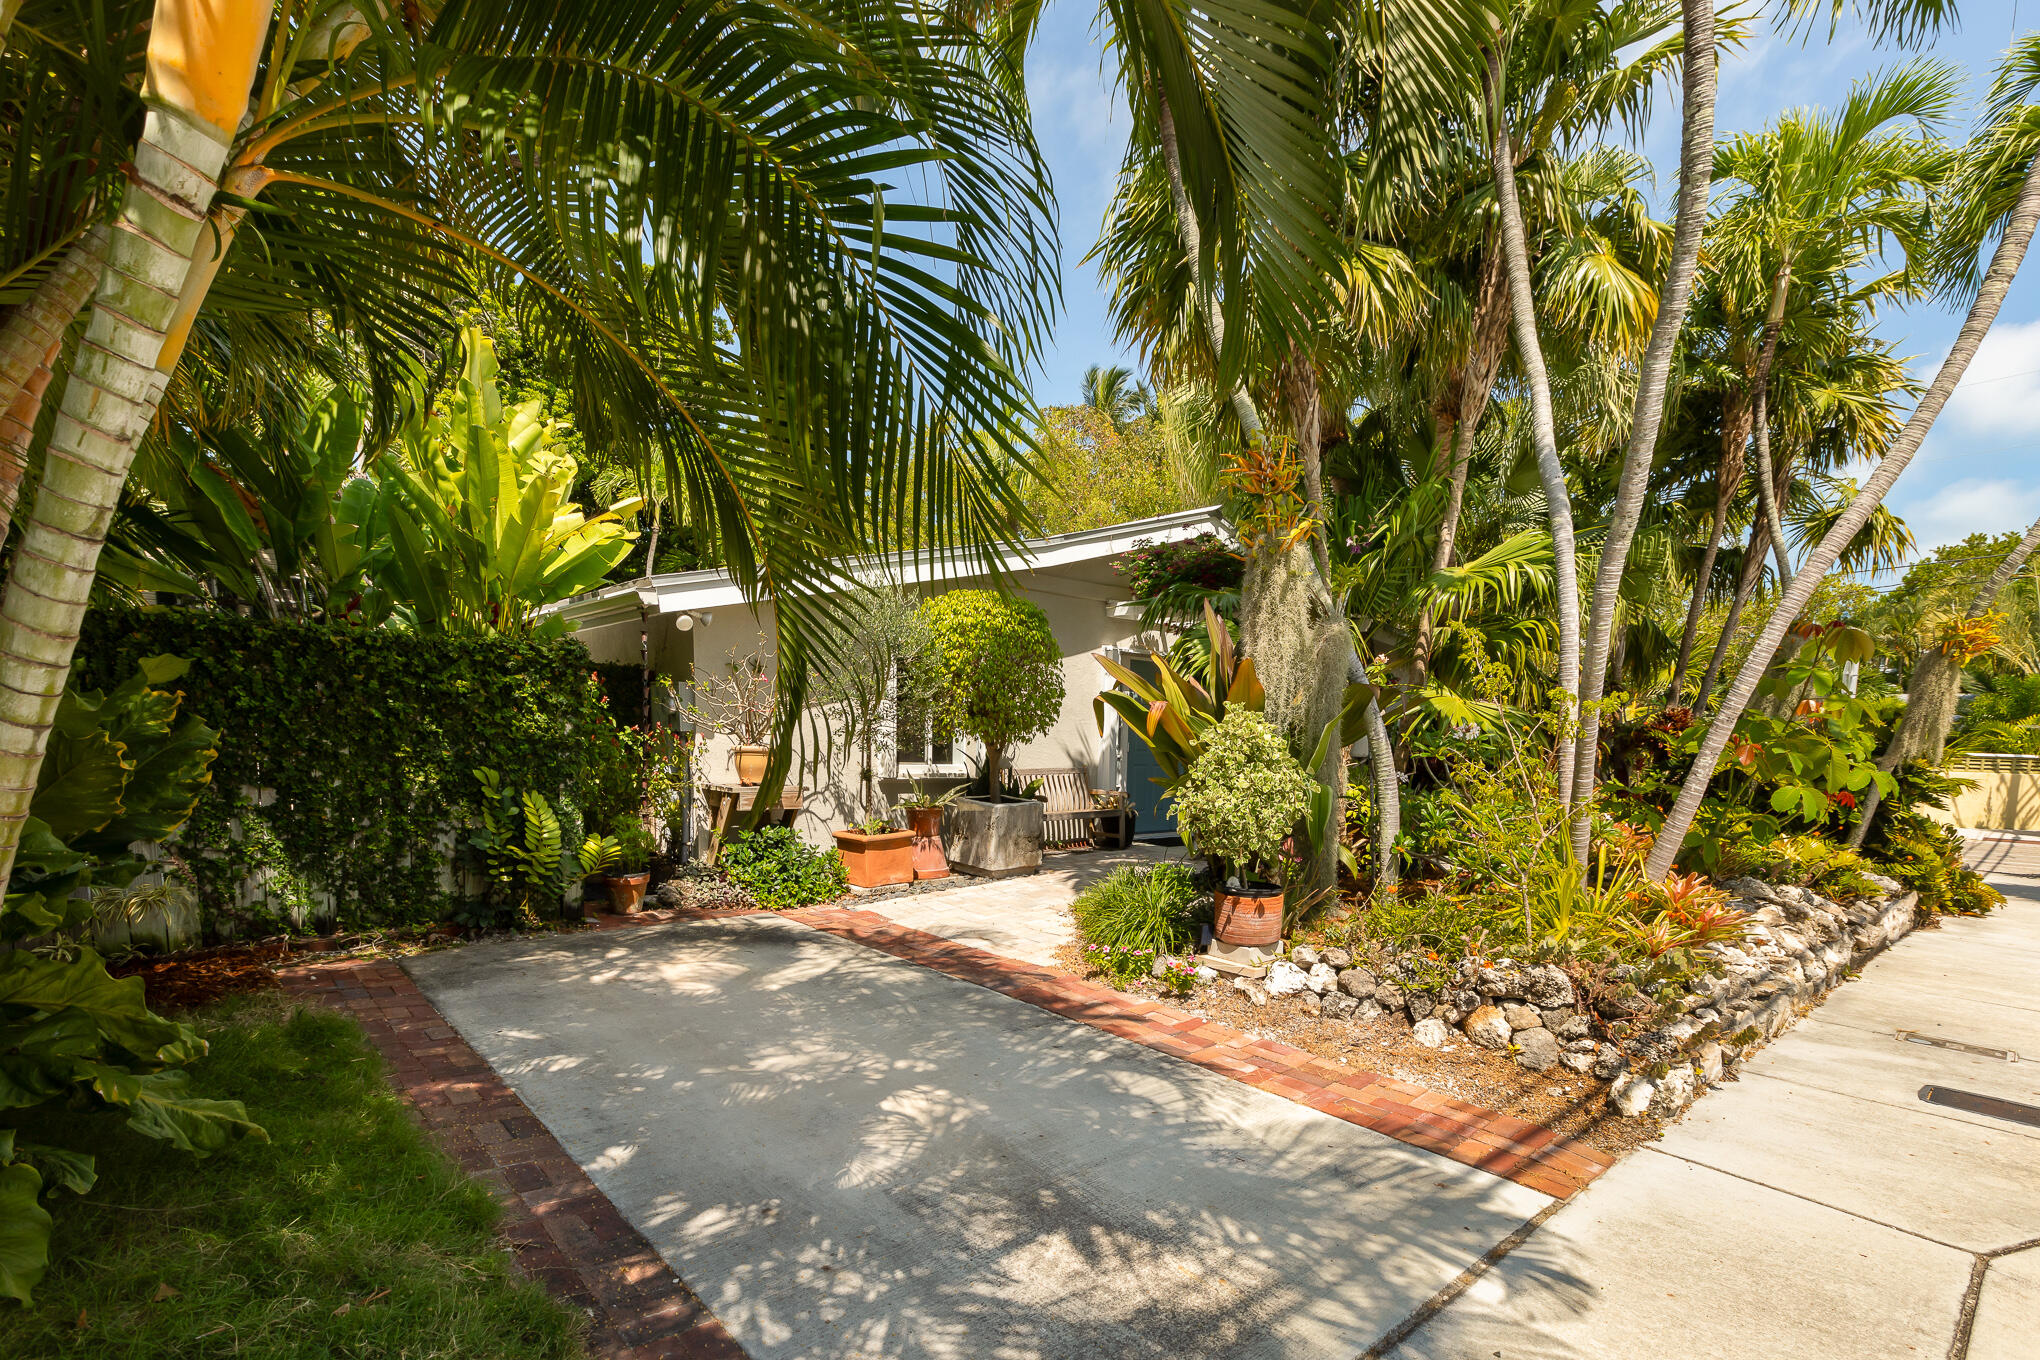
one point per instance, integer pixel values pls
(1467, 396)
(1771, 485)
(1997, 281)
(1745, 585)
(30, 343)
(1696, 173)
(1550, 471)
(1289, 622)
(202, 57)
(1387, 798)
(1936, 683)
(1735, 433)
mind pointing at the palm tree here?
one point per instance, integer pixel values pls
(1115, 392)
(862, 386)
(1996, 192)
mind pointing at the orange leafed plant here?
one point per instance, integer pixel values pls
(1268, 479)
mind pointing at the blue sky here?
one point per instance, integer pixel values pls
(1976, 471)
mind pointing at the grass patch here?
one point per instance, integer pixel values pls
(346, 1235)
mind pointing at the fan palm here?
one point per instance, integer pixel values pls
(702, 202)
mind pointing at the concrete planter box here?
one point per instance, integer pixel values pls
(994, 840)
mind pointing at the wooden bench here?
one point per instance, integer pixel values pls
(1073, 815)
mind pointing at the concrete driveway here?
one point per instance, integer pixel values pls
(849, 1155)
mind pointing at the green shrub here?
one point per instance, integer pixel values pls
(1243, 795)
(780, 870)
(1809, 861)
(369, 740)
(1140, 908)
(1926, 857)
(1002, 677)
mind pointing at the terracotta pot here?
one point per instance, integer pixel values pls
(627, 891)
(1251, 916)
(875, 859)
(925, 824)
(751, 763)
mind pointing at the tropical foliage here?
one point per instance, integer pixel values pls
(1001, 670)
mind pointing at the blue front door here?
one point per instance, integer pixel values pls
(1154, 811)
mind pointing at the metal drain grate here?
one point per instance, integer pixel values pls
(1913, 1036)
(1978, 1104)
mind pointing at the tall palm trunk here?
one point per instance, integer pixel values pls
(1530, 351)
(1466, 400)
(1696, 173)
(202, 58)
(1997, 281)
(30, 343)
(1936, 683)
(1735, 433)
(1771, 484)
(1745, 585)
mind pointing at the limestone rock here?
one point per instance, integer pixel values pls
(1708, 1058)
(1431, 1033)
(1338, 959)
(1488, 1028)
(1322, 979)
(1750, 887)
(1456, 1005)
(1521, 1016)
(1504, 983)
(1632, 1095)
(1312, 1002)
(1303, 956)
(1368, 1009)
(1572, 1026)
(1358, 982)
(1389, 996)
(1536, 1049)
(1285, 978)
(1339, 1006)
(1576, 1062)
(1609, 1063)
(1674, 1090)
(1546, 987)
(1252, 990)
(1160, 967)
(1421, 1005)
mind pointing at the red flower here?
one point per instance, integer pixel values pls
(1844, 797)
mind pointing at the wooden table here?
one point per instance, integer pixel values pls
(725, 801)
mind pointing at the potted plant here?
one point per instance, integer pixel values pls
(922, 812)
(1002, 683)
(1240, 800)
(631, 870)
(881, 666)
(741, 704)
(876, 853)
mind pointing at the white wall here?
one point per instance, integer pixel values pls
(1075, 598)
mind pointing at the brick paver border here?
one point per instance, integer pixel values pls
(566, 1234)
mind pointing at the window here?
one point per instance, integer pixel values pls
(916, 741)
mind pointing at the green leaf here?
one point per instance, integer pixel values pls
(24, 1231)
(159, 1106)
(1784, 799)
(62, 1168)
(116, 1006)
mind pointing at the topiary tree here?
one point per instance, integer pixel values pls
(1002, 678)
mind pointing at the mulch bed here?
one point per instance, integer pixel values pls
(199, 977)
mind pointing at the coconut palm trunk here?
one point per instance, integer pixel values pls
(1696, 172)
(1936, 683)
(1544, 436)
(1735, 434)
(201, 64)
(1990, 296)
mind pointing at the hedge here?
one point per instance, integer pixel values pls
(362, 745)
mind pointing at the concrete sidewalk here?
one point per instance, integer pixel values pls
(1819, 1207)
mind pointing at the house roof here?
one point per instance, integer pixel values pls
(678, 592)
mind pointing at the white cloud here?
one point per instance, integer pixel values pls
(2000, 392)
(1951, 511)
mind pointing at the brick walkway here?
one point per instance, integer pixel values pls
(567, 1234)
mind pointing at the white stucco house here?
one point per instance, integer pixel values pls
(678, 621)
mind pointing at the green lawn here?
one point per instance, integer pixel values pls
(347, 1234)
